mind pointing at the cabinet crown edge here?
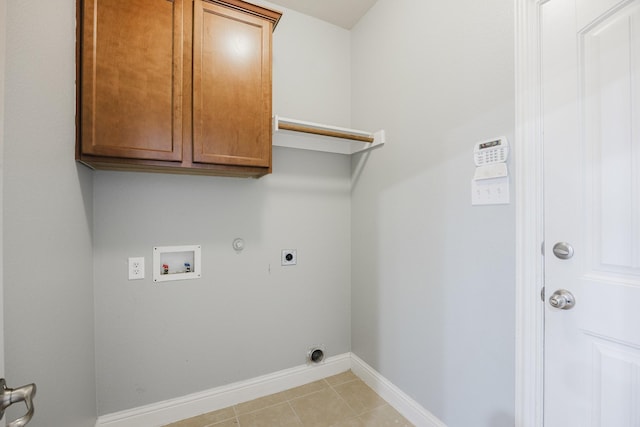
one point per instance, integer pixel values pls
(269, 14)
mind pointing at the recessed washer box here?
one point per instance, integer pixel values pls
(176, 263)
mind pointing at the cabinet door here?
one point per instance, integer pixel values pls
(231, 86)
(132, 79)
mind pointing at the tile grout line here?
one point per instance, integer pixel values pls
(345, 402)
(238, 414)
(289, 401)
(358, 415)
(330, 387)
(324, 380)
(295, 413)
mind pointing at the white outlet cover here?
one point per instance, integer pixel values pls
(136, 268)
(289, 257)
(490, 191)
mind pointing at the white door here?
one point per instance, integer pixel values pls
(591, 121)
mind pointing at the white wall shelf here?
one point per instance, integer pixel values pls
(320, 137)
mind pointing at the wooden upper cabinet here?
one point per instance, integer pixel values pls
(175, 86)
(231, 86)
(132, 79)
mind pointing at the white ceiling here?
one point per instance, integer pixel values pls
(344, 13)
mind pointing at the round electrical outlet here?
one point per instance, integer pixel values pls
(289, 257)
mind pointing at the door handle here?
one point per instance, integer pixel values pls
(562, 299)
(9, 396)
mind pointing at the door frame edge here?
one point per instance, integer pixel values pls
(529, 339)
(3, 64)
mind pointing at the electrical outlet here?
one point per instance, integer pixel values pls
(136, 268)
(289, 257)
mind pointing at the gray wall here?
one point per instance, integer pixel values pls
(432, 276)
(247, 316)
(48, 272)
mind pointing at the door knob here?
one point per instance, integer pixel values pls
(9, 396)
(562, 299)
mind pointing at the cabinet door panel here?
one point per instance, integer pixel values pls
(231, 87)
(132, 79)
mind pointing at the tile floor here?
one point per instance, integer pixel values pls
(342, 400)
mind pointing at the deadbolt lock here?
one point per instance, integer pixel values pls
(563, 250)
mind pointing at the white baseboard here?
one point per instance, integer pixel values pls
(408, 408)
(172, 410)
(180, 408)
